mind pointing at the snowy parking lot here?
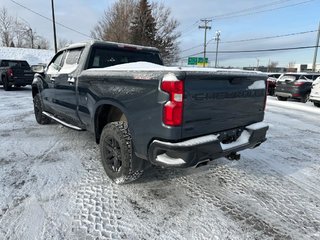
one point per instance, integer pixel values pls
(52, 184)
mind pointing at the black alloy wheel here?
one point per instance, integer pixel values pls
(113, 154)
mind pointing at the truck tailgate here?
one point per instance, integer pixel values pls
(216, 102)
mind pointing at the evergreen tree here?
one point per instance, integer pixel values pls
(143, 27)
(141, 23)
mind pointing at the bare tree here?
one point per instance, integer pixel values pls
(41, 43)
(272, 66)
(6, 27)
(62, 42)
(126, 21)
(19, 34)
(167, 34)
(115, 23)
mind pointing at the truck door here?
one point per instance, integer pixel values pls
(65, 99)
(49, 80)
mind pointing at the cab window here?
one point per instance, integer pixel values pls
(71, 61)
(57, 63)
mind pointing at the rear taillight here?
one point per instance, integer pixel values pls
(299, 83)
(10, 72)
(173, 109)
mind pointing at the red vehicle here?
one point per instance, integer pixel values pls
(271, 81)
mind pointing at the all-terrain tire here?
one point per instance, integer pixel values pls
(282, 98)
(6, 85)
(117, 153)
(38, 109)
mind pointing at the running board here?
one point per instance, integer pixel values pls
(62, 122)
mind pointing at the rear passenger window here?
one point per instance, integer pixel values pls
(73, 56)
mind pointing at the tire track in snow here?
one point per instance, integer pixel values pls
(100, 205)
(266, 205)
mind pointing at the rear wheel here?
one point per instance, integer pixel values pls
(6, 84)
(282, 98)
(38, 109)
(305, 98)
(317, 104)
(117, 154)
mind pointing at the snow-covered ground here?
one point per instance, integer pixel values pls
(33, 56)
(52, 184)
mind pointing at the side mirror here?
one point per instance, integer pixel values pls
(38, 68)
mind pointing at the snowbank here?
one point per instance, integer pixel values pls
(33, 56)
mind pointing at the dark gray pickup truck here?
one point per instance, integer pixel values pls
(15, 73)
(143, 113)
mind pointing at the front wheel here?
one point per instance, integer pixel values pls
(38, 109)
(117, 154)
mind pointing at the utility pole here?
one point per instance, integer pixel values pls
(205, 27)
(316, 51)
(31, 37)
(217, 38)
(54, 28)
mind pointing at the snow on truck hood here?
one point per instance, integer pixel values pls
(147, 66)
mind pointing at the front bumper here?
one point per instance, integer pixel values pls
(190, 152)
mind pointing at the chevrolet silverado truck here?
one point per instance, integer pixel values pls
(15, 73)
(141, 112)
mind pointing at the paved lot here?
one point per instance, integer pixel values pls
(52, 185)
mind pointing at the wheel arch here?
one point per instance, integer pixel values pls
(106, 113)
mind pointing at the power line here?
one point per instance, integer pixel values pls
(253, 39)
(49, 19)
(250, 9)
(189, 28)
(255, 50)
(270, 37)
(262, 11)
(191, 55)
(265, 50)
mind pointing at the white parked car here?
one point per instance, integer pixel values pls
(315, 92)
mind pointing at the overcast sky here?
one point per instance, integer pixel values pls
(258, 19)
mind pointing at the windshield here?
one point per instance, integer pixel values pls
(292, 77)
(104, 57)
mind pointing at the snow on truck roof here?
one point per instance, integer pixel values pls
(147, 66)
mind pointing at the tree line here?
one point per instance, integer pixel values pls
(139, 22)
(128, 21)
(16, 33)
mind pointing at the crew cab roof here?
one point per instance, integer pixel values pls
(109, 44)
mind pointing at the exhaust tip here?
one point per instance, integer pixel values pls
(202, 163)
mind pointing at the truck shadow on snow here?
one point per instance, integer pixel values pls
(17, 89)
